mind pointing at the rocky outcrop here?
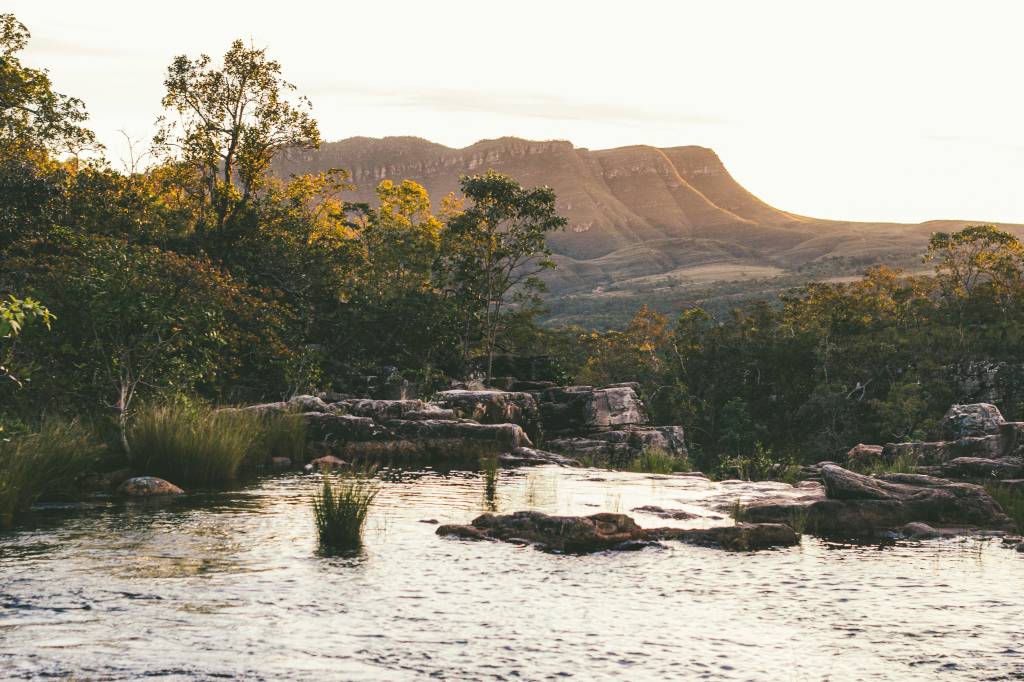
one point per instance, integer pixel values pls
(862, 457)
(597, 532)
(861, 506)
(494, 407)
(148, 486)
(523, 456)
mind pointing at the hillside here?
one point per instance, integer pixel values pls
(666, 226)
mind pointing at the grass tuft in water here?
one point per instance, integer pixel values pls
(1010, 501)
(43, 463)
(341, 506)
(489, 467)
(654, 460)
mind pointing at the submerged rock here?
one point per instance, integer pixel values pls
(523, 455)
(326, 462)
(148, 486)
(597, 532)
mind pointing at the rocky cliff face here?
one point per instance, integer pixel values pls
(634, 212)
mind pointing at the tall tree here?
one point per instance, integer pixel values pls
(34, 118)
(229, 122)
(495, 249)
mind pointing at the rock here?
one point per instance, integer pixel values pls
(577, 410)
(942, 451)
(743, 537)
(307, 403)
(618, 448)
(919, 531)
(148, 486)
(863, 456)
(326, 462)
(494, 407)
(523, 456)
(983, 468)
(280, 463)
(597, 532)
(677, 514)
(384, 410)
(975, 420)
(432, 522)
(572, 534)
(340, 428)
(862, 506)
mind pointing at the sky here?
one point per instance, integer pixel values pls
(899, 110)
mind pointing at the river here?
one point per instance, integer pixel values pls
(231, 584)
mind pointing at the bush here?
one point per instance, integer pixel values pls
(193, 444)
(654, 460)
(43, 463)
(340, 508)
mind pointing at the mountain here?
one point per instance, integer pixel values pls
(668, 226)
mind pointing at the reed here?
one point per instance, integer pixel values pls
(193, 444)
(341, 506)
(44, 463)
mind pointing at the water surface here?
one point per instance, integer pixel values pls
(232, 584)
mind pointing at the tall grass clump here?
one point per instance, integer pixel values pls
(341, 506)
(43, 463)
(489, 467)
(1011, 502)
(654, 460)
(280, 435)
(193, 444)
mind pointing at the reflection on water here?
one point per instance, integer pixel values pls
(232, 584)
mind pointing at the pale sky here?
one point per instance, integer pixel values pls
(898, 110)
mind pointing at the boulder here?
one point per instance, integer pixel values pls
(327, 462)
(936, 453)
(307, 403)
(384, 410)
(578, 410)
(861, 506)
(919, 531)
(148, 486)
(863, 456)
(974, 420)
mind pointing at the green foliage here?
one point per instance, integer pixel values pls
(1010, 501)
(42, 463)
(15, 313)
(340, 508)
(32, 116)
(493, 252)
(902, 464)
(193, 444)
(228, 124)
(279, 435)
(654, 460)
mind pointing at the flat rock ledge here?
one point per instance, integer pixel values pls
(608, 531)
(859, 506)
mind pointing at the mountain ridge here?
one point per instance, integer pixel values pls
(634, 212)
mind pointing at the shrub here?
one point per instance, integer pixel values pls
(1011, 502)
(193, 444)
(340, 508)
(654, 460)
(43, 463)
(902, 464)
